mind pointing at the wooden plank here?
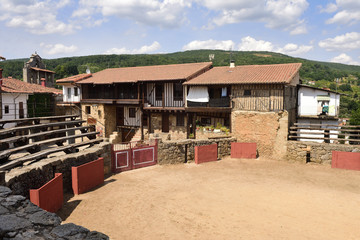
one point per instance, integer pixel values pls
(37, 118)
(45, 153)
(39, 126)
(327, 125)
(330, 129)
(322, 133)
(7, 153)
(316, 138)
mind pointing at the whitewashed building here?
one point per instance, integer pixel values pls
(317, 106)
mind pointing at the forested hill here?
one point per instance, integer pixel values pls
(64, 67)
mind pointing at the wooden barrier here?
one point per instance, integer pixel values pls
(87, 176)
(243, 150)
(50, 196)
(346, 160)
(206, 153)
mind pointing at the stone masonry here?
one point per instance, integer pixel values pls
(20, 219)
(316, 152)
(173, 152)
(33, 176)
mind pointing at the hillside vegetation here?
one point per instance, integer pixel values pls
(322, 74)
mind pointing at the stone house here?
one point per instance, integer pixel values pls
(257, 102)
(15, 99)
(139, 100)
(35, 71)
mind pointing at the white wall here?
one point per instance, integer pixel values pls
(71, 97)
(12, 101)
(308, 103)
(132, 121)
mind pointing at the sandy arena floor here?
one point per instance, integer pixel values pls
(228, 199)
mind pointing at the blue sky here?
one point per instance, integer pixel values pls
(316, 30)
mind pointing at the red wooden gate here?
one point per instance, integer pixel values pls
(132, 155)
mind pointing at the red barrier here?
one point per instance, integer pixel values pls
(50, 196)
(243, 150)
(346, 160)
(87, 176)
(206, 153)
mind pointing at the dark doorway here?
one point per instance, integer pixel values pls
(165, 122)
(21, 110)
(120, 116)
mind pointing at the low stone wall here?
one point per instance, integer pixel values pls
(20, 219)
(33, 176)
(316, 152)
(173, 152)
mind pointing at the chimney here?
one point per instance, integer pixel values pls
(232, 63)
(43, 83)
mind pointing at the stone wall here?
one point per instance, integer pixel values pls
(33, 176)
(20, 219)
(268, 129)
(175, 132)
(105, 116)
(173, 152)
(316, 152)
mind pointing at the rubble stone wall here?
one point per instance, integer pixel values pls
(33, 176)
(316, 152)
(20, 219)
(173, 152)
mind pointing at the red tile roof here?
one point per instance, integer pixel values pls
(249, 74)
(75, 78)
(42, 70)
(12, 85)
(147, 73)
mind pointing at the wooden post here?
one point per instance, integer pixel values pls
(149, 122)
(185, 96)
(194, 125)
(187, 125)
(163, 95)
(141, 124)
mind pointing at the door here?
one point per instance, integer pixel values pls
(120, 116)
(21, 110)
(165, 122)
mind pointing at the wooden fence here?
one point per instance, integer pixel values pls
(347, 134)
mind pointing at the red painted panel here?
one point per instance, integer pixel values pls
(144, 157)
(345, 160)
(121, 161)
(206, 153)
(87, 176)
(50, 196)
(243, 150)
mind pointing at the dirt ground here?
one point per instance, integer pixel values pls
(228, 199)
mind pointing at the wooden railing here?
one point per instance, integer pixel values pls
(347, 134)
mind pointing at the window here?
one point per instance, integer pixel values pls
(180, 120)
(178, 92)
(131, 112)
(76, 91)
(159, 88)
(247, 92)
(6, 109)
(88, 109)
(69, 91)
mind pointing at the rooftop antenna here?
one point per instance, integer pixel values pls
(232, 62)
(87, 70)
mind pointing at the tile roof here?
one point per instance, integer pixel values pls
(12, 85)
(147, 73)
(248, 74)
(75, 78)
(42, 70)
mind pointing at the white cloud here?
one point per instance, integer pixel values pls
(276, 14)
(346, 42)
(144, 49)
(294, 49)
(330, 8)
(35, 16)
(209, 44)
(55, 49)
(345, 59)
(166, 13)
(349, 12)
(250, 44)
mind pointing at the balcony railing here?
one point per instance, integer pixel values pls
(213, 102)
